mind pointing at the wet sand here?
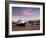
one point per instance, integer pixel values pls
(28, 26)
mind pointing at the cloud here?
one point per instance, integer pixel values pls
(25, 13)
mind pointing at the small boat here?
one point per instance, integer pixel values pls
(20, 23)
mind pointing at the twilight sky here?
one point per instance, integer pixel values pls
(25, 13)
